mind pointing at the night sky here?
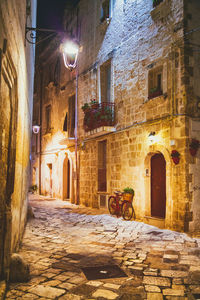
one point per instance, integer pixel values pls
(50, 12)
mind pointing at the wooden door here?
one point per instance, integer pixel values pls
(158, 186)
(66, 179)
(50, 180)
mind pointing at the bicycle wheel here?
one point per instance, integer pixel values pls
(127, 210)
(112, 205)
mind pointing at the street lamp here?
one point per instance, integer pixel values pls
(70, 50)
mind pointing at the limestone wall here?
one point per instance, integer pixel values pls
(16, 88)
(192, 62)
(137, 39)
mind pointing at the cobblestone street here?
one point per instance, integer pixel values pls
(63, 238)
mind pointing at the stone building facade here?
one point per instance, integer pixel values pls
(16, 100)
(140, 62)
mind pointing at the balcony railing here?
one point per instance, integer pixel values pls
(99, 114)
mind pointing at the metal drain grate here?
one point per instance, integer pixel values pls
(103, 272)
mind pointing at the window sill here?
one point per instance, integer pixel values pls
(162, 96)
(155, 95)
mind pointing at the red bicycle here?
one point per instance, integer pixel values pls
(120, 207)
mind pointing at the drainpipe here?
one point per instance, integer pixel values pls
(40, 132)
(76, 139)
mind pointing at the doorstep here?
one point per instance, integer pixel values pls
(154, 221)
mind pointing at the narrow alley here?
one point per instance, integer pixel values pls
(62, 240)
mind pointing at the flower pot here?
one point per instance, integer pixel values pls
(193, 151)
(176, 159)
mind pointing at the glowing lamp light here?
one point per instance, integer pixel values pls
(70, 52)
(152, 137)
(36, 129)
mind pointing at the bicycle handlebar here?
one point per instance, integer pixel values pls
(118, 192)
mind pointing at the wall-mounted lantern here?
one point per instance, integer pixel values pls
(152, 137)
(70, 50)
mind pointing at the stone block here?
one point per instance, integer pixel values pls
(170, 258)
(105, 294)
(158, 281)
(152, 288)
(173, 292)
(154, 296)
(46, 291)
(173, 273)
(19, 269)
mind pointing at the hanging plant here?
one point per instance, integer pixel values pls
(175, 155)
(193, 147)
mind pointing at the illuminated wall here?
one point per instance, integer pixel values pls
(16, 93)
(154, 89)
(153, 82)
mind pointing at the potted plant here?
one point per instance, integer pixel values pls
(128, 194)
(154, 92)
(193, 147)
(175, 155)
(85, 107)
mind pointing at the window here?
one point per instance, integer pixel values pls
(71, 116)
(105, 81)
(105, 10)
(102, 180)
(65, 123)
(156, 2)
(48, 118)
(107, 7)
(155, 81)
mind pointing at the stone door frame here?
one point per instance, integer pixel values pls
(147, 180)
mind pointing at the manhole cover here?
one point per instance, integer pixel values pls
(103, 272)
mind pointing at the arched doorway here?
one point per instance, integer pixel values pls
(158, 186)
(66, 178)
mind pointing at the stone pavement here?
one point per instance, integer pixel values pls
(63, 238)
